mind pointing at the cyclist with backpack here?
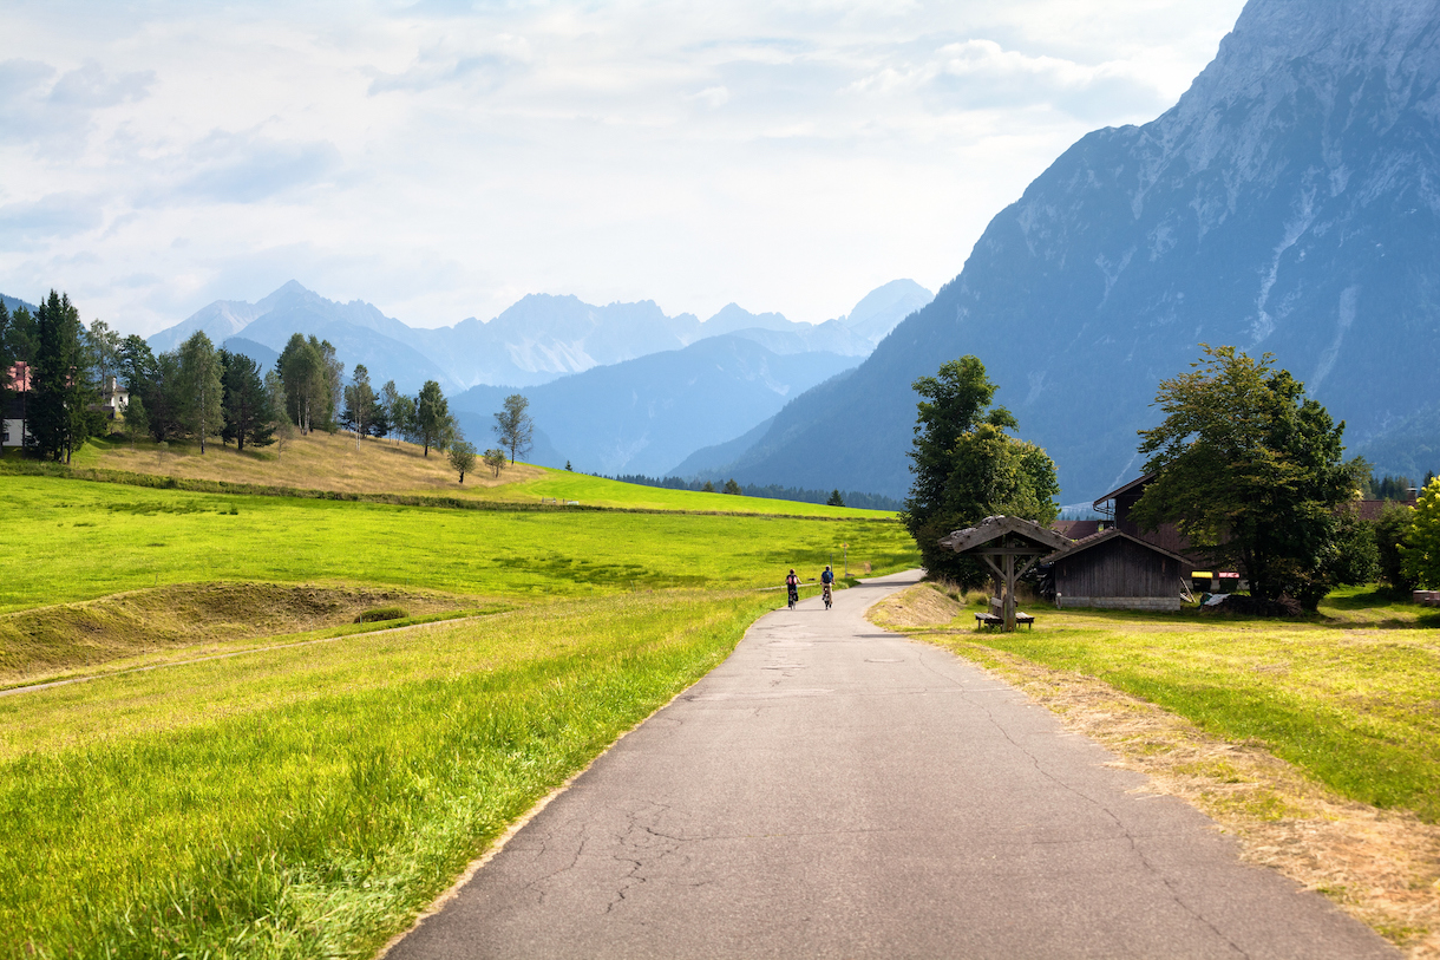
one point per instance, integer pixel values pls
(826, 579)
(792, 587)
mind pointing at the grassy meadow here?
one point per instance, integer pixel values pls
(245, 771)
(1349, 696)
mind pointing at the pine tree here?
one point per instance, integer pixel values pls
(59, 421)
(248, 416)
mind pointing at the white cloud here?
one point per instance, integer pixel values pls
(443, 158)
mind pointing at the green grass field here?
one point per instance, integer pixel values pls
(93, 539)
(305, 794)
(307, 801)
(1352, 697)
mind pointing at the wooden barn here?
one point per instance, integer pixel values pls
(1117, 571)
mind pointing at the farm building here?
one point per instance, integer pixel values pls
(1117, 571)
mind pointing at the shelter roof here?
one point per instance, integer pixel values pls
(1105, 536)
(1133, 484)
(994, 528)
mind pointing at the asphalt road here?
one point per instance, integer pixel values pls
(833, 790)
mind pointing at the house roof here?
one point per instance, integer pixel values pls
(1137, 482)
(1105, 536)
(993, 528)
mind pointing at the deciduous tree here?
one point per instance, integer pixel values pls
(495, 459)
(1421, 550)
(1251, 472)
(967, 467)
(1392, 531)
(513, 426)
(462, 457)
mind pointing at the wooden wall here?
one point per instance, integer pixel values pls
(1118, 568)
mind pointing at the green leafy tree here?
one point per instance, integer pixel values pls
(1420, 552)
(432, 416)
(462, 457)
(1392, 532)
(514, 427)
(835, 499)
(361, 404)
(708, 488)
(399, 411)
(495, 460)
(1251, 472)
(59, 419)
(247, 411)
(331, 391)
(302, 370)
(1355, 558)
(967, 468)
(731, 487)
(202, 391)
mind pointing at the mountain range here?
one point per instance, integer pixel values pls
(1288, 204)
(539, 339)
(616, 389)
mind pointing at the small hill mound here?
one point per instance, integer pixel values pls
(48, 640)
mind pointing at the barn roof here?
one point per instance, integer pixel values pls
(1105, 536)
(1137, 482)
(993, 528)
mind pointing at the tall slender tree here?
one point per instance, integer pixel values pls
(360, 404)
(202, 391)
(513, 426)
(302, 370)
(60, 388)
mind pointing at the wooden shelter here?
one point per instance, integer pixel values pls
(1009, 546)
(1114, 570)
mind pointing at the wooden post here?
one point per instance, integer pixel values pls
(1009, 593)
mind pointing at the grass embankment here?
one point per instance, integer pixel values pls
(321, 461)
(1206, 704)
(308, 801)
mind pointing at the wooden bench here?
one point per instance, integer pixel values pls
(991, 620)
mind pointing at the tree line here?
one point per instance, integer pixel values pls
(203, 394)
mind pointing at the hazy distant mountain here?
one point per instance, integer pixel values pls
(538, 339)
(646, 415)
(883, 308)
(13, 303)
(1289, 203)
(263, 356)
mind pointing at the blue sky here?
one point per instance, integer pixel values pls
(441, 159)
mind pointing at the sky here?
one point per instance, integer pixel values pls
(441, 159)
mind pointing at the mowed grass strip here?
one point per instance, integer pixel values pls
(78, 540)
(1354, 698)
(309, 801)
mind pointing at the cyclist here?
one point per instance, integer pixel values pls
(827, 578)
(792, 587)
